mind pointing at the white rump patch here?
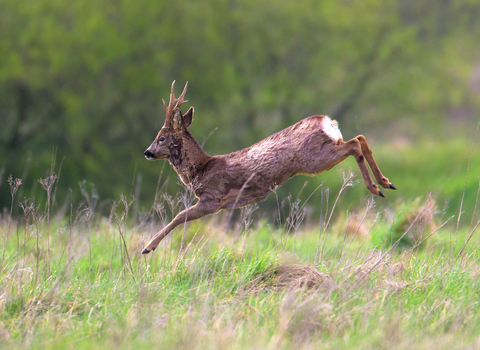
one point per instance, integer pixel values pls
(330, 127)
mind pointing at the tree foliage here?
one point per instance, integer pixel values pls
(81, 82)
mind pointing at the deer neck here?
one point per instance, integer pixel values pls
(188, 158)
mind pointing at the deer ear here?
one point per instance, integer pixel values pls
(187, 117)
(177, 119)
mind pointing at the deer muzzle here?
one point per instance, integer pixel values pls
(149, 155)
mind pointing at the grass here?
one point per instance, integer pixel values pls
(353, 274)
(366, 280)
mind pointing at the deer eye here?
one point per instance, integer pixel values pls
(161, 139)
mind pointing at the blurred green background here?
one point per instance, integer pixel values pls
(81, 84)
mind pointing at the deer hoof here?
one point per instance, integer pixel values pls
(392, 186)
(145, 251)
(380, 194)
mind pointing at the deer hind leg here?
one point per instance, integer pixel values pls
(195, 212)
(354, 148)
(367, 152)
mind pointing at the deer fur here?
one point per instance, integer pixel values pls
(234, 180)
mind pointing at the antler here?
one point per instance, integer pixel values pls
(174, 102)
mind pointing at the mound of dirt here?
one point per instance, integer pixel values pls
(418, 221)
(294, 276)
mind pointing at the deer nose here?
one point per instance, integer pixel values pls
(148, 154)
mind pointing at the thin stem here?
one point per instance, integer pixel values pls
(465, 187)
(317, 255)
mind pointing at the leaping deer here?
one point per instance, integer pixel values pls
(234, 180)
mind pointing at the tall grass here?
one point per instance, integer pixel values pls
(78, 280)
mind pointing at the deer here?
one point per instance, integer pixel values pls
(311, 146)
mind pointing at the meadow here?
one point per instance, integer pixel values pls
(384, 276)
(320, 263)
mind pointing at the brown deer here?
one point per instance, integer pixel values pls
(234, 180)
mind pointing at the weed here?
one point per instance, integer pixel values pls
(79, 281)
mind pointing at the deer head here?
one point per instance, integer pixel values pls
(168, 142)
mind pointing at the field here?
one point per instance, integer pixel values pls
(321, 263)
(401, 277)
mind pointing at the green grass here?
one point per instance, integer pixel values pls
(392, 273)
(91, 288)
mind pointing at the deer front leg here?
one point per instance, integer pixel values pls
(195, 212)
(367, 152)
